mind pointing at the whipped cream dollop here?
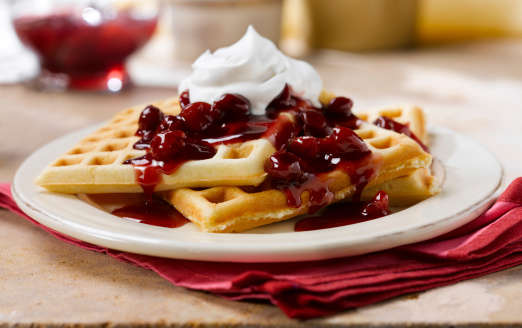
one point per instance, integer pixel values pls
(254, 68)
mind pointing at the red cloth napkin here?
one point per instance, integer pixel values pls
(305, 290)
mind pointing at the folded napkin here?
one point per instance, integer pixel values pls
(305, 290)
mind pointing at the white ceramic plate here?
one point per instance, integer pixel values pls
(473, 179)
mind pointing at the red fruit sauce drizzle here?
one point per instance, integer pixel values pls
(307, 160)
(316, 141)
(171, 140)
(327, 143)
(342, 214)
(155, 212)
(389, 124)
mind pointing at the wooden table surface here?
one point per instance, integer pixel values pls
(474, 89)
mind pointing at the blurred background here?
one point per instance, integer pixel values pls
(358, 25)
(186, 28)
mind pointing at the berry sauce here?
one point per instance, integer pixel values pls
(342, 214)
(307, 160)
(171, 140)
(87, 53)
(310, 143)
(327, 143)
(153, 213)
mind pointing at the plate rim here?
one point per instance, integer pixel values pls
(200, 250)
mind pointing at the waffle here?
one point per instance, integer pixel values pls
(413, 188)
(237, 195)
(407, 190)
(235, 209)
(409, 115)
(95, 164)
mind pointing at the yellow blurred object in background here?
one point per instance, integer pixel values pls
(362, 25)
(443, 21)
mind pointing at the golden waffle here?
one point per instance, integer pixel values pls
(234, 209)
(421, 184)
(409, 115)
(407, 190)
(95, 164)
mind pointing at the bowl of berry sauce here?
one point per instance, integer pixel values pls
(83, 45)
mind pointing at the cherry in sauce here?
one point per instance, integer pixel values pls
(171, 140)
(342, 214)
(304, 164)
(229, 120)
(389, 124)
(167, 151)
(316, 122)
(316, 141)
(287, 101)
(150, 118)
(339, 113)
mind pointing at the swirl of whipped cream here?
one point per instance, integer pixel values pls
(254, 68)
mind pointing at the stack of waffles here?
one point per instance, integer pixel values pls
(232, 191)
